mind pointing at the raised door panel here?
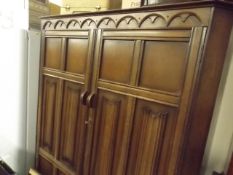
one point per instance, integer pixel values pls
(109, 152)
(131, 136)
(49, 108)
(53, 53)
(151, 138)
(117, 60)
(136, 61)
(72, 134)
(164, 65)
(69, 52)
(77, 51)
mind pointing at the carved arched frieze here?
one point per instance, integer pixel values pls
(127, 21)
(47, 25)
(160, 19)
(88, 23)
(186, 19)
(106, 22)
(73, 24)
(153, 20)
(60, 24)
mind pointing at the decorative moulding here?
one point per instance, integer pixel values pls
(160, 19)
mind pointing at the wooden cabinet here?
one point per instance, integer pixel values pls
(130, 92)
(137, 107)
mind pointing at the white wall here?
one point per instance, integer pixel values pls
(220, 141)
(13, 89)
(13, 93)
(32, 94)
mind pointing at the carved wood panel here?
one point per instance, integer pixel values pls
(131, 136)
(151, 137)
(49, 109)
(72, 133)
(109, 151)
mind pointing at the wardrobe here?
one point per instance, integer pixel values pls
(130, 92)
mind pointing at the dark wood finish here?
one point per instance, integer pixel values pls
(115, 55)
(158, 67)
(44, 166)
(110, 135)
(77, 50)
(53, 53)
(65, 69)
(151, 135)
(128, 92)
(188, 58)
(60, 173)
(72, 138)
(50, 97)
(204, 101)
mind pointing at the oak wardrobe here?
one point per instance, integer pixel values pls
(130, 92)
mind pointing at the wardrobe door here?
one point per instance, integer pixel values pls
(142, 85)
(65, 81)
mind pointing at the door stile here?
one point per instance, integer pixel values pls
(88, 88)
(194, 55)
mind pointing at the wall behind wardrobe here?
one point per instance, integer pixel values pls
(13, 89)
(32, 94)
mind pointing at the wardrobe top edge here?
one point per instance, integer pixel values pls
(171, 6)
